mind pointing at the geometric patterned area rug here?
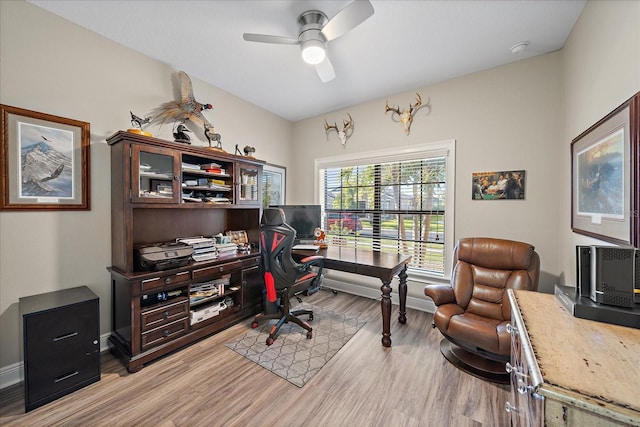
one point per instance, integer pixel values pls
(292, 356)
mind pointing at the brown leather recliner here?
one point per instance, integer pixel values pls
(473, 310)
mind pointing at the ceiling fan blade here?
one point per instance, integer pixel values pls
(348, 18)
(325, 70)
(265, 38)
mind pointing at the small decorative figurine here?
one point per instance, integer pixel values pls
(212, 136)
(345, 133)
(248, 150)
(406, 115)
(179, 134)
(320, 238)
(138, 122)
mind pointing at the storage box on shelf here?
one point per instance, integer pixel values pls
(162, 191)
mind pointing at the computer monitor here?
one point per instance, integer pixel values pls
(304, 219)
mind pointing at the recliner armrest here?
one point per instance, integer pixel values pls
(440, 294)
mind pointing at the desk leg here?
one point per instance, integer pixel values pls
(402, 290)
(385, 303)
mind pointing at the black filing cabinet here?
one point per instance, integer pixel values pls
(61, 338)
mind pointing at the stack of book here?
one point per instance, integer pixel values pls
(204, 248)
(226, 248)
(213, 168)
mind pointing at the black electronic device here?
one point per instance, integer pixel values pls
(583, 271)
(614, 275)
(304, 219)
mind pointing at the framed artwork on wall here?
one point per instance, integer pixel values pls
(274, 180)
(605, 177)
(45, 161)
(498, 185)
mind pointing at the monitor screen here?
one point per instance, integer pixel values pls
(303, 218)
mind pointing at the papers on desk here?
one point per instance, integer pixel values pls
(306, 248)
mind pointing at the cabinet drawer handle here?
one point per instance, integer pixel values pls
(165, 315)
(166, 333)
(65, 377)
(64, 337)
(221, 269)
(167, 280)
(510, 408)
(512, 330)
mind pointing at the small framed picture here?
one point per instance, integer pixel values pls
(45, 161)
(497, 185)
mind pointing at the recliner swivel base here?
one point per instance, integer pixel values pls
(473, 364)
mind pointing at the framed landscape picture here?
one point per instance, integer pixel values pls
(45, 161)
(604, 177)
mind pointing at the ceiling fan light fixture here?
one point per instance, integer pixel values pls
(313, 51)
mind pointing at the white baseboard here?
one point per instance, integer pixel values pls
(14, 373)
(374, 293)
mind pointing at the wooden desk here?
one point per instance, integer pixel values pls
(570, 371)
(382, 265)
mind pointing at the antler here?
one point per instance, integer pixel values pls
(418, 103)
(327, 127)
(395, 110)
(347, 123)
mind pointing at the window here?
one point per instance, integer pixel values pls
(392, 201)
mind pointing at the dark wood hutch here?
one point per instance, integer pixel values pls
(152, 310)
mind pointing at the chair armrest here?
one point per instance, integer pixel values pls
(440, 294)
(312, 260)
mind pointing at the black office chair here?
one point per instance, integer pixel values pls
(284, 277)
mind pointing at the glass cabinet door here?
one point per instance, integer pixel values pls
(154, 175)
(248, 179)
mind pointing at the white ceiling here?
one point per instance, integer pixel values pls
(404, 45)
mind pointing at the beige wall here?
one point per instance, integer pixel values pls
(52, 66)
(601, 70)
(520, 116)
(506, 118)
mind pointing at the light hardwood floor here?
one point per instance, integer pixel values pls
(207, 384)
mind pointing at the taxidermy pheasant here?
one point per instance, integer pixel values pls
(185, 109)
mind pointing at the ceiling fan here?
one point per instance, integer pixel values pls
(316, 30)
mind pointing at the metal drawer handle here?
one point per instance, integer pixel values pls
(166, 332)
(511, 329)
(165, 315)
(66, 377)
(167, 280)
(510, 408)
(64, 337)
(523, 387)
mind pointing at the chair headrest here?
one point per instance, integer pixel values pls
(496, 253)
(272, 216)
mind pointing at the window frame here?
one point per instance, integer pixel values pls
(445, 148)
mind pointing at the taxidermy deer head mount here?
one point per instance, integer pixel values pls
(345, 133)
(406, 116)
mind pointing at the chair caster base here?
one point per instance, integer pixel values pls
(473, 364)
